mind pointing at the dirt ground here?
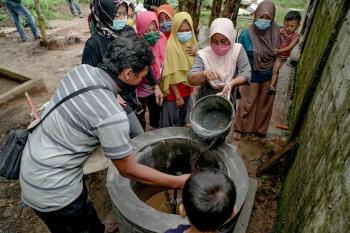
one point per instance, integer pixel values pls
(34, 61)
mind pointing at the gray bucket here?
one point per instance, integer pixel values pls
(211, 117)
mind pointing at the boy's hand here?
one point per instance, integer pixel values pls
(180, 102)
(275, 51)
(191, 50)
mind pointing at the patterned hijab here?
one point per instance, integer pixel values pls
(103, 13)
(264, 41)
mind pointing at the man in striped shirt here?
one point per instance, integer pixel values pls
(51, 175)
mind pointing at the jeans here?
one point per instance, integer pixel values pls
(74, 7)
(17, 9)
(78, 217)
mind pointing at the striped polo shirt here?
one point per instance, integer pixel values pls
(53, 159)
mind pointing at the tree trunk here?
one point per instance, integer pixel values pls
(231, 10)
(180, 5)
(215, 10)
(193, 7)
(41, 22)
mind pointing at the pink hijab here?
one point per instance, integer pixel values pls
(143, 20)
(225, 65)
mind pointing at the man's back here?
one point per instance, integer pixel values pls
(51, 168)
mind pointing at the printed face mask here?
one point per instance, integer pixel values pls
(165, 26)
(184, 36)
(119, 24)
(151, 37)
(220, 49)
(263, 24)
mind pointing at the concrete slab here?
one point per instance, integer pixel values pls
(31, 86)
(244, 215)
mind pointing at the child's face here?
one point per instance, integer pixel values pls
(185, 27)
(121, 12)
(131, 14)
(163, 17)
(152, 27)
(291, 25)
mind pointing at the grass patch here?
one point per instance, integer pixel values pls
(52, 9)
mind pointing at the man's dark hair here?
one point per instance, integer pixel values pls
(292, 15)
(127, 51)
(209, 197)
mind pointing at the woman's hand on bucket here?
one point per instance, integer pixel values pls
(226, 92)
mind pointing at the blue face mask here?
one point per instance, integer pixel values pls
(184, 36)
(263, 24)
(165, 26)
(119, 24)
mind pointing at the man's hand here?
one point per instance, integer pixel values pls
(158, 94)
(121, 101)
(183, 179)
(211, 75)
(180, 103)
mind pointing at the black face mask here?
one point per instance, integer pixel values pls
(128, 91)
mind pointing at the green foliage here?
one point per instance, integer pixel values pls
(49, 8)
(3, 17)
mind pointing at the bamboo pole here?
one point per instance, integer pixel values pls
(41, 22)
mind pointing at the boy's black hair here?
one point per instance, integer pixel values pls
(209, 197)
(127, 51)
(292, 15)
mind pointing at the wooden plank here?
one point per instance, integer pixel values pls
(13, 76)
(279, 155)
(246, 211)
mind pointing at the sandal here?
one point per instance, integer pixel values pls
(271, 91)
(236, 136)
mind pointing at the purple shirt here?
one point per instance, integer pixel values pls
(179, 229)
